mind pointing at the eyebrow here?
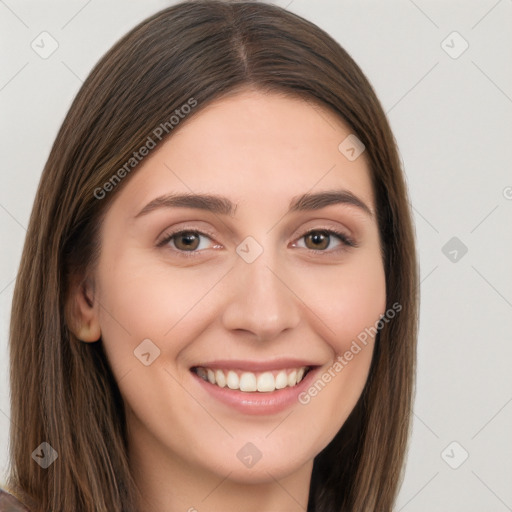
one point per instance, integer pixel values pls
(223, 206)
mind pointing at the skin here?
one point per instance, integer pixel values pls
(259, 150)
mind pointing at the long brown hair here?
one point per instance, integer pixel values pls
(62, 390)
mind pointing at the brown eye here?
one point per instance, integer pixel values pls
(319, 240)
(327, 241)
(188, 243)
(186, 240)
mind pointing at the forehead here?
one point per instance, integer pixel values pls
(254, 146)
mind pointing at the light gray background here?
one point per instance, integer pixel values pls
(452, 120)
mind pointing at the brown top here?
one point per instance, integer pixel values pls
(8, 503)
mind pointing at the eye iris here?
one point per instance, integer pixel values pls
(318, 237)
(189, 240)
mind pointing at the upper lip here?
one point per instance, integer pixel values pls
(256, 366)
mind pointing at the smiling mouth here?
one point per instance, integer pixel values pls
(249, 382)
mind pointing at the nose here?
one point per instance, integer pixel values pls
(260, 300)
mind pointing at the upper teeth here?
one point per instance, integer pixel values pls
(249, 381)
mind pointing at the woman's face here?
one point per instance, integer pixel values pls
(255, 290)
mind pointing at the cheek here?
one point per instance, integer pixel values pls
(348, 299)
(346, 305)
(163, 304)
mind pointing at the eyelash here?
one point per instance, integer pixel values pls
(346, 241)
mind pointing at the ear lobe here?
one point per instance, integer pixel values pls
(82, 311)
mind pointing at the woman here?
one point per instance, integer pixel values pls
(216, 307)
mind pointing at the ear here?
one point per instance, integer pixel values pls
(82, 310)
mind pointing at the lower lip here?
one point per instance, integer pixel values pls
(258, 403)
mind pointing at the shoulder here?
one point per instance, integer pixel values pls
(8, 503)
